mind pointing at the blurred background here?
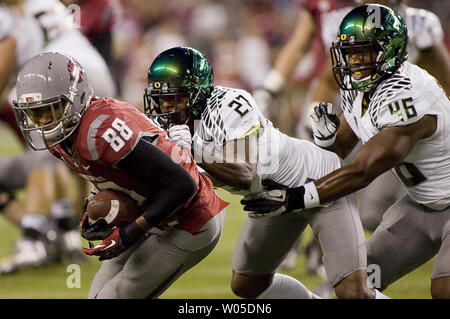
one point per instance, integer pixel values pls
(241, 38)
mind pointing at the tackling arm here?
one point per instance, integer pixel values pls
(150, 164)
(234, 164)
(346, 139)
(382, 152)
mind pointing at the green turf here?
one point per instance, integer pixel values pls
(208, 280)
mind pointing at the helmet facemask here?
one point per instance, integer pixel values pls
(182, 78)
(346, 73)
(52, 94)
(187, 104)
(50, 121)
(369, 28)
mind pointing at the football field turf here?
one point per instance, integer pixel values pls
(208, 280)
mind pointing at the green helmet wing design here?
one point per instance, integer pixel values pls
(179, 70)
(370, 26)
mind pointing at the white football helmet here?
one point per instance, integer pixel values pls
(52, 94)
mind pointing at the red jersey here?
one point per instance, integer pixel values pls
(327, 15)
(97, 16)
(108, 132)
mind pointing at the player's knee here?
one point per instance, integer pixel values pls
(354, 286)
(440, 288)
(249, 287)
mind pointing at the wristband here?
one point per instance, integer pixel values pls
(326, 142)
(311, 196)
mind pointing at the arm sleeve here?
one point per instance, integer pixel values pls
(152, 166)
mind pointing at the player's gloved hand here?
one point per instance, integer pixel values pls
(181, 136)
(96, 231)
(115, 242)
(278, 199)
(324, 124)
(110, 247)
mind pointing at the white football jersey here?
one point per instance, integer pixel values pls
(424, 29)
(232, 114)
(44, 26)
(400, 100)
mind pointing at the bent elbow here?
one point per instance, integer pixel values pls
(186, 188)
(190, 188)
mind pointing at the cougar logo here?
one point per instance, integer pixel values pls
(75, 72)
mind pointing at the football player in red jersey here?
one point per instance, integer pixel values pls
(313, 15)
(47, 214)
(115, 146)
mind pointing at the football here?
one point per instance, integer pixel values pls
(117, 208)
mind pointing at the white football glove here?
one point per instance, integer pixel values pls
(181, 136)
(324, 124)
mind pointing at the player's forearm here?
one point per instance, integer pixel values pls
(239, 176)
(342, 182)
(233, 163)
(345, 141)
(171, 185)
(381, 153)
(295, 48)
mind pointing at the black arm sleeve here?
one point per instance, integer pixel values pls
(173, 183)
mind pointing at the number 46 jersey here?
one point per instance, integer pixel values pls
(403, 99)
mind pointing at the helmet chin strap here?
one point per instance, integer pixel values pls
(362, 80)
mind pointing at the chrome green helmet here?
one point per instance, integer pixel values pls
(369, 28)
(178, 72)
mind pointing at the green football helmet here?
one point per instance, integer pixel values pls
(369, 28)
(183, 73)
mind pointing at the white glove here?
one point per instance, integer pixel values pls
(181, 136)
(324, 124)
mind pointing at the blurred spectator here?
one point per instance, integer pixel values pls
(96, 21)
(240, 37)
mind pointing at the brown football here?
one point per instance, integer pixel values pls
(117, 208)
